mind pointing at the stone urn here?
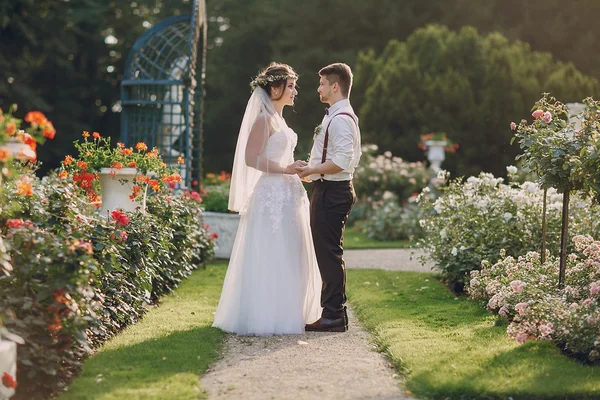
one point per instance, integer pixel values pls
(436, 153)
(116, 188)
(226, 226)
(8, 365)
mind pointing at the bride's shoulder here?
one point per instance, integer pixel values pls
(265, 121)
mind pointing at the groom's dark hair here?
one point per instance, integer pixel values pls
(340, 73)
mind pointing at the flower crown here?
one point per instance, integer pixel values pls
(263, 80)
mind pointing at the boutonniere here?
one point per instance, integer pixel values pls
(318, 130)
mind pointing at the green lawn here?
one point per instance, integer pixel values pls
(163, 355)
(450, 348)
(354, 239)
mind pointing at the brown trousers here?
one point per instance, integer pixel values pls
(330, 204)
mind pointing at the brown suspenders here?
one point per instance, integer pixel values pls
(326, 141)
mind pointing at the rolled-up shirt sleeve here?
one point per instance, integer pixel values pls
(341, 141)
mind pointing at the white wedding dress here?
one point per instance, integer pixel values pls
(273, 284)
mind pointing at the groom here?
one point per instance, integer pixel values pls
(334, 156)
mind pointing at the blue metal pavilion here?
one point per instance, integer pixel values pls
(162, 91)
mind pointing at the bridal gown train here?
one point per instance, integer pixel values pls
(273, 284)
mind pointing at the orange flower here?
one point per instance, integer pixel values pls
(49, 131)
(4, 154)
(86, 134)
(180, 160)
(132, 164)
(113, 173)
(141, 146)
(24, 188)
(36, 117)
(82, 165)
(127, 152)
(153, 153)
(68, 160)
(142, 179)
(94, 199)
(96, 135)
(135, 191)
(121, 145)
(11, 128)
(63, 174)
(117, 165)
(172, 179)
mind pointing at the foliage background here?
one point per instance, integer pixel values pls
(53, 57)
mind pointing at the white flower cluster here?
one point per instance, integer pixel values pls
(263, 80)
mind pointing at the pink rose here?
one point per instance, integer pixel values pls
(518, 286)
(595, 288)
(521, 337)
(547, 117)
(513, 126)
(546, 329)
(537, 114)
(521, 308)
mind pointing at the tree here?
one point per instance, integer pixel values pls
(465, 84)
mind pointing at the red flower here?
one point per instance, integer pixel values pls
(196, 196)
(14, 223)
(214, 236)
(9, 381)
(119, 216)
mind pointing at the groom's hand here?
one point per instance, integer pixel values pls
(304, 172)
(296, 167)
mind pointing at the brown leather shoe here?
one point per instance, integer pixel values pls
(327, 325)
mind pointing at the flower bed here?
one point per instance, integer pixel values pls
(525, 292)
(473, 220)
(74, 278)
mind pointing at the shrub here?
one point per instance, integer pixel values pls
(473, 220)
(525, 292)
(390, 221)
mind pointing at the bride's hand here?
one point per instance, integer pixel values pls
(296, 167)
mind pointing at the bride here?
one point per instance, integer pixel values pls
(273, 284)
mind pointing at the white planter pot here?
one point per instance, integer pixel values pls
(226, 225)
(436, 153)
(116, 190)
(8, 364)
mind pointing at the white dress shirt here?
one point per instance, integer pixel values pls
(343, 147)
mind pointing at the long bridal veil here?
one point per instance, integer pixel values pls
(250, 160)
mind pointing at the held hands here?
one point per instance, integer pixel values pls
(296, 167)
(304, 173)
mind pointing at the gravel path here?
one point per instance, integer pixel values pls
(320, 366)
(388, 259)
(312, 366)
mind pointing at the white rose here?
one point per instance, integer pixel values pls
(511, 169)
(454, 251)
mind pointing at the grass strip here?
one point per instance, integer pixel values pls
(164, 354)
(355, 239)
(448, 347)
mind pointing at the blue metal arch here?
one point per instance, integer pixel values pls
(162, 102)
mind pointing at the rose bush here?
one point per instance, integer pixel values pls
(76, 279)
(473, 220)
(377, 174)
(524, 291)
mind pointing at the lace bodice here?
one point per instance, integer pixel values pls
(274, 191)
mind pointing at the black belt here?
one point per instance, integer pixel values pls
(324, 182)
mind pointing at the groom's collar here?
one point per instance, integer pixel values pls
(337, 106)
